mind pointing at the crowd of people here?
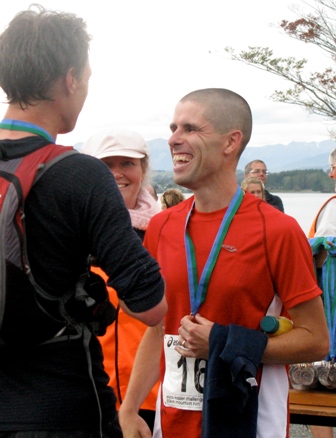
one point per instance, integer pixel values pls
(185, 355)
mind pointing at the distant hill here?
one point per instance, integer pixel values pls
(278, 157)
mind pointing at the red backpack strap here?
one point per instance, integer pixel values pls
(33, 165)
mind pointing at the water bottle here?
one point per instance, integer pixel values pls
(303, 376)
(275, 326)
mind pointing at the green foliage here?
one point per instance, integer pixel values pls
(163, 180)
(315, 180)
(316, 91)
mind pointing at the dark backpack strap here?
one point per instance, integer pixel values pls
(40, 292)
(21, 173)
(45, 166)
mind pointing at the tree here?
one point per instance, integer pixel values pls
(316, 92)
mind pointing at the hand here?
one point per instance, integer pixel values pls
(194, 336)
(132, 425)
(330, 245)
(329, 242)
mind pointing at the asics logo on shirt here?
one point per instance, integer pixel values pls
(172, 342)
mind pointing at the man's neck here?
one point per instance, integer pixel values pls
(211, 200)
(37, 115)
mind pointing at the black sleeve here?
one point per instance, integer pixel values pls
(76, 209)
(120, 253)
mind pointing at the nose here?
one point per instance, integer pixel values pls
(171, 140)
(260, 176)
(117, 173)
(332, 173)
(175, 138)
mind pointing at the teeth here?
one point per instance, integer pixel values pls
(181, 158)
(121, 186)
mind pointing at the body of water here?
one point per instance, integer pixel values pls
(303, 206)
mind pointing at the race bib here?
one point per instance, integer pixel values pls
(183, 382)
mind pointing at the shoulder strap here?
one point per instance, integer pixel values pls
(45, 166)
(18, 175)
(58, 153)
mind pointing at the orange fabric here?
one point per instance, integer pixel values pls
(130, 332)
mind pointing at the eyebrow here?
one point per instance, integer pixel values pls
(185, 126)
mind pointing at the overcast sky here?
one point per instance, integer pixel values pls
(147, 54)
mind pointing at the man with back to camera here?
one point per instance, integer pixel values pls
(227, 258)
(60, 389)
(257, 169)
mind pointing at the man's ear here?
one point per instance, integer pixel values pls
(233, 142)
(70, 80)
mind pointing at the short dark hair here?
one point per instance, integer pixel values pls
(36, 49)
(225, 109)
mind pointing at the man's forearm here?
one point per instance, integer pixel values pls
(307, 342)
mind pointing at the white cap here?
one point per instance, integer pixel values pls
(112, 143)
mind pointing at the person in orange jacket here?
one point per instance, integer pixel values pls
(127, 155)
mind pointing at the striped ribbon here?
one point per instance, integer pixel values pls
(20, 125)
(198, 290)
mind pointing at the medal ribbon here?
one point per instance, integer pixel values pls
(19, 125)
(198, 290)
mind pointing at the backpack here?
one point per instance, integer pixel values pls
(28, 314)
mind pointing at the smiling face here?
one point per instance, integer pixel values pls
(195, 147)
(129, 174)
